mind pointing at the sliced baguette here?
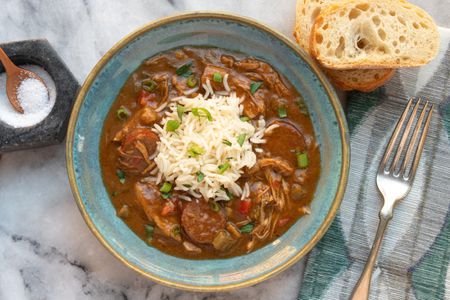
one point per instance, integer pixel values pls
(306, 13)
(365, 81)
(374, 34)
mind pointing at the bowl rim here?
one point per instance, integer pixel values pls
(334, 101)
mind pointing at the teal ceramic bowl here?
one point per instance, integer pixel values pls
(228, 32)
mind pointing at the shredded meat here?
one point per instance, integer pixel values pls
(143, 117)
(163, 86)
(227, 60)
(208, 73)
(276, 163)
(266, 72)
(254, 105)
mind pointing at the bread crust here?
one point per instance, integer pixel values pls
(339, 82)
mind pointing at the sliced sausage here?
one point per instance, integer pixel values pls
(149, 197)
(136, 149)
(201, 223)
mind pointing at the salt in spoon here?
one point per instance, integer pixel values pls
(14, 77)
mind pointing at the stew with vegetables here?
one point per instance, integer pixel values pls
(208, 153)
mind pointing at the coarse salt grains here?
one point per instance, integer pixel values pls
(36, 99)
(32, 94)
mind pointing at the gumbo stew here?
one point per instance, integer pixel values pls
(208, 153)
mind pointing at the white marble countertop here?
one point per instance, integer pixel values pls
(46, 250)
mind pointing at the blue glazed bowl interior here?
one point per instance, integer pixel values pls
(236, 35)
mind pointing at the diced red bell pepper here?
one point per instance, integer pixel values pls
(244, 206)
(276, 184)
(283, 221)
(169, 207)
(144, 97)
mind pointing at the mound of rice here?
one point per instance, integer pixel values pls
(204, 174)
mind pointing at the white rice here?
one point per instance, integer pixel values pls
(176, 166)
(225, 83)
(222, 93)
(162, 106)
(271, 128)
(245, 191)
(209, 86)
(191, 91)
(185, 198)
(153, 156)
(206, 91)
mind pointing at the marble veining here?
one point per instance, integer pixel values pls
(46, 250)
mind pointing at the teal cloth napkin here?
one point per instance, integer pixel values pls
(414, 260)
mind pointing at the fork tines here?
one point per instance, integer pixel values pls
(409, 144)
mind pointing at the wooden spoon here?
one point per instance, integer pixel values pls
(14, 76)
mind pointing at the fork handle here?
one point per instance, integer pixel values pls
(361, 290)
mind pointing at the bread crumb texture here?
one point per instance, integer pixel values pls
(381, 34)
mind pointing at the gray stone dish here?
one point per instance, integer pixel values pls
(52, 130)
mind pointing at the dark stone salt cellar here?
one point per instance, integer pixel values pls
(52, 130)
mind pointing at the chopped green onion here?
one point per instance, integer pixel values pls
(184, 70)
(180, 111)
(302, 160)
(195, 150)
(114, 193)
(167, 186)
(229, 194)
(172, 125)
(176, 230)
(149, 85)
(254, 86)
(222, 168)
(282, 112)
(201, 112)
(121, 175)
(214, 206)
(247, 228)
(226, 142)
(123, 113)
(217, 77)
(241, 139)
(166, 195)
(191, 81)
(149, 229)
(200, 176)
(302, 106)
(187, 185)
(245, 119)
